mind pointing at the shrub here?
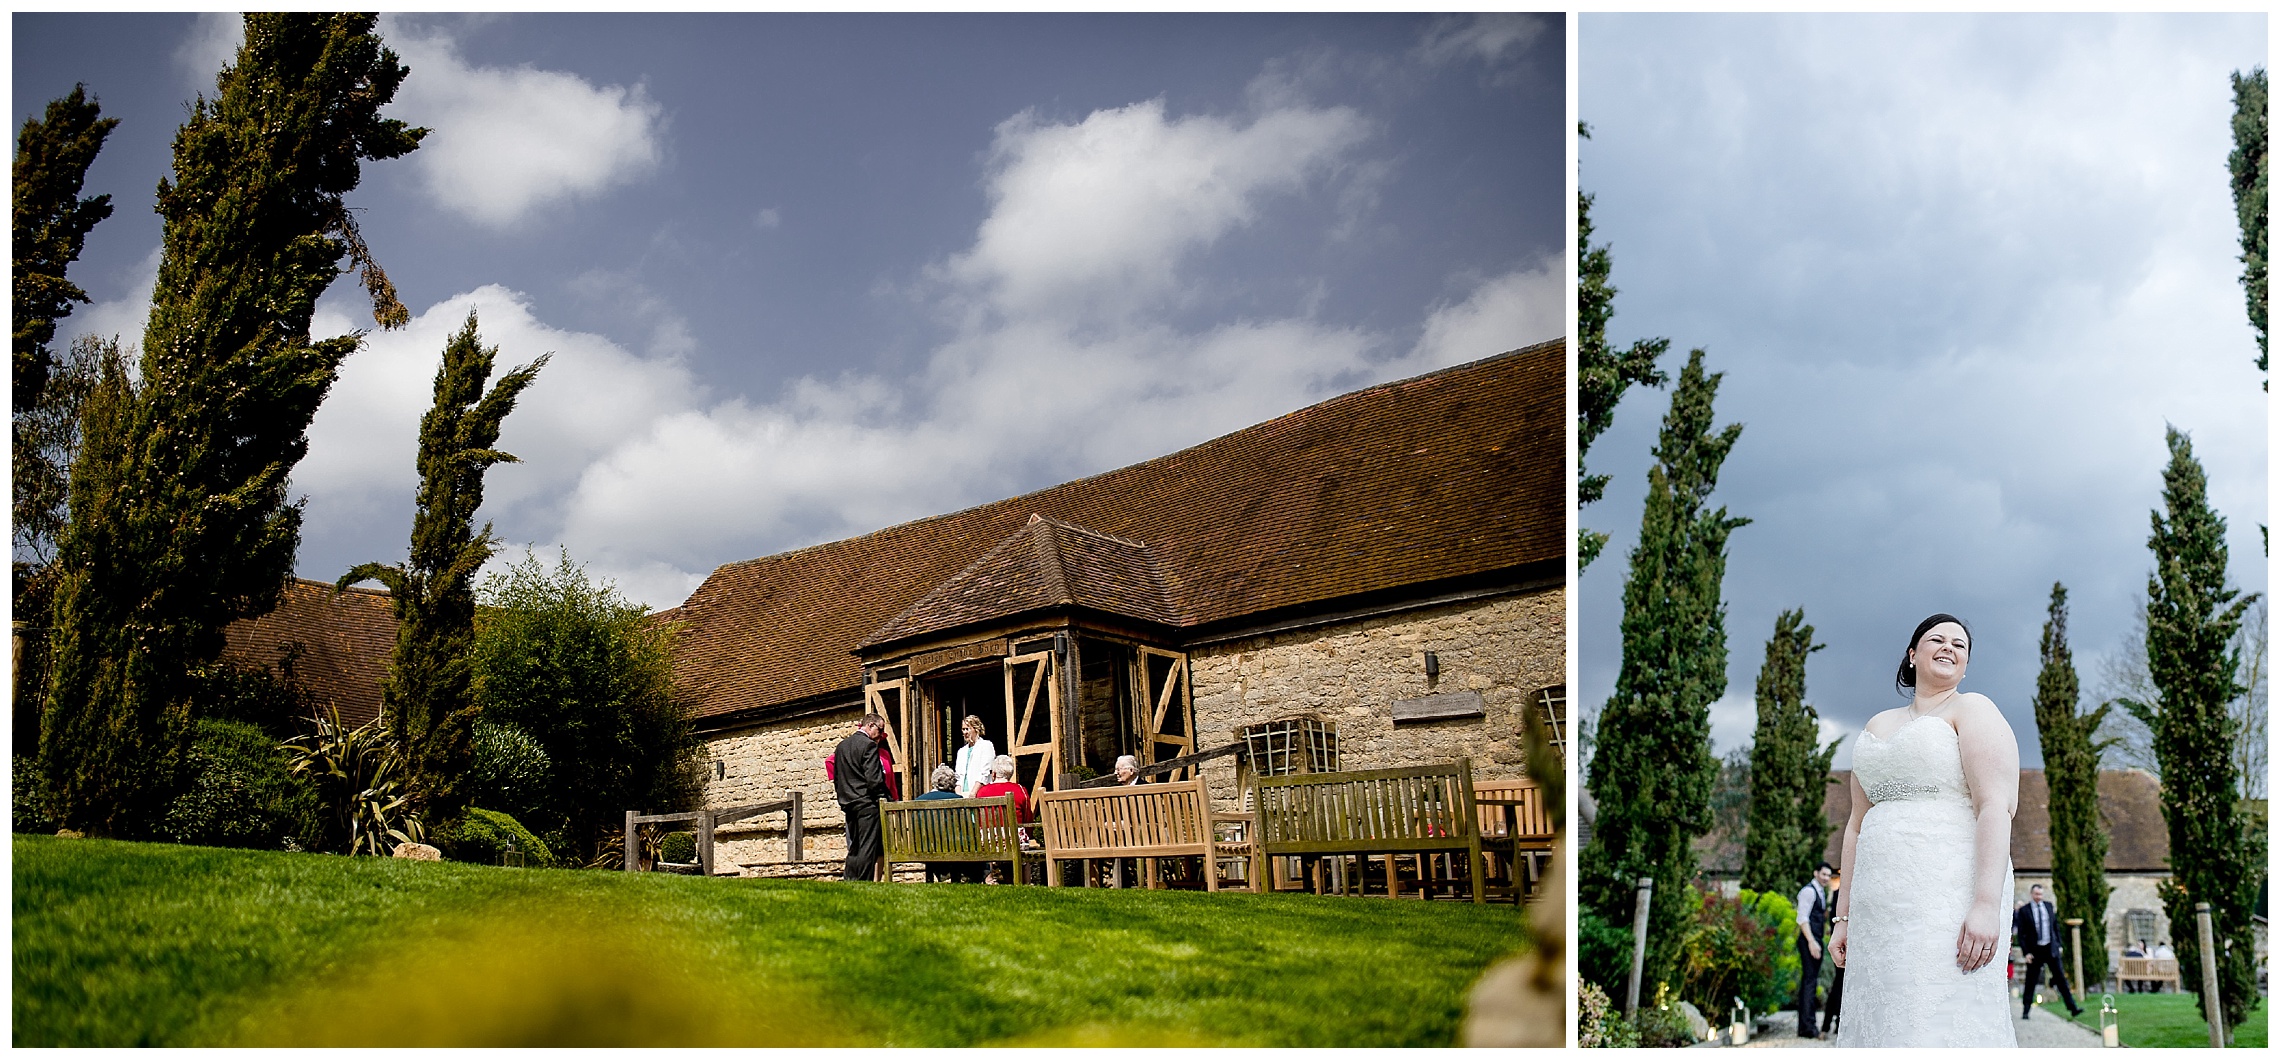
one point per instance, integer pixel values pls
(1661, 1025)
(678, 847)
(240, 792)
(509, 770)
(1742, 947)
(30, 809)
(481, 835)
(357, 777)
(1598, 1025)
(1604, 953)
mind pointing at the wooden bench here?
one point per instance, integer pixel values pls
(953, 830)
(2149, 970)
(1516, 827)
(1145, 821)
(1415, 810)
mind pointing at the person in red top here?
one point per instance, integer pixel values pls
(1002, 783)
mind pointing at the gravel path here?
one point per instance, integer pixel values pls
(2042, 1031)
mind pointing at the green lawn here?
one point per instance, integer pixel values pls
(2170, 1021)
(153, 944)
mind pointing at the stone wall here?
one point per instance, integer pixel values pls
(1504, 648)
(761, 764)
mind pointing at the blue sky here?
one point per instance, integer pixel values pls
(807, 276)
(1959, 272)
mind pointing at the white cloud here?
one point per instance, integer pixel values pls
(123, 317)
(1483, 37)
(506, 142)
(1518, 308)
(767, 218)
(212, 44)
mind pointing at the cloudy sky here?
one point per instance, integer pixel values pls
(1959, 271)
(807, 276)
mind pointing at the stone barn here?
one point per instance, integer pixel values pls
(1389, 563)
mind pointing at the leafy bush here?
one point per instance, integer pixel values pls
(482, 835)
(358, 777)
(30, 808)
(509, 770)
(678, 847)
(1742, 947)
(1604, 953)
(1598, 1025)
(273, 701)
(240, 793)
(1661, 1025)
(589, 676)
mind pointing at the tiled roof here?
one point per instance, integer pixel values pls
(1044, 565)
(2129, 801)
(1448, 475)
(344, 644)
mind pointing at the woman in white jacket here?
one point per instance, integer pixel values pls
(974, 759)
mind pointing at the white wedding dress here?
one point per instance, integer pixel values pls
(1911, 886)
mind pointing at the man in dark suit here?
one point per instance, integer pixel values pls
(859, 782)
(2035, 929)
(1812, 927)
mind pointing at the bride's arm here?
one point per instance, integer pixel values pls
(1858, 800)
(1991, 767)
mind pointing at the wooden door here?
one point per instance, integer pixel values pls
(891, 700)
(1166, 708)
(1033, 718)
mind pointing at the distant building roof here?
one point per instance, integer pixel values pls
(336, 646)
(1444, 478)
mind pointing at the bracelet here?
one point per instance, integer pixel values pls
(1839, 919)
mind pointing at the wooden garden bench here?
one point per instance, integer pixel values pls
(954, 830)
(2149, 970)
(1146, 821)
(1415, 810)
(1516, 826)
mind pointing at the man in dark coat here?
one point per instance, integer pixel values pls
(859, 782)
(1812, 928)
(2035, 928)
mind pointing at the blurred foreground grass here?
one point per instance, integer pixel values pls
(154, 944)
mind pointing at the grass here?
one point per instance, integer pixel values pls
(153, 944)
(2172, 1021)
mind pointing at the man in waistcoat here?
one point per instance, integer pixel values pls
(1812, 928)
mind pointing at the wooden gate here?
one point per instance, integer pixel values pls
(891, 700)
(1033, 718)
(1166, 707)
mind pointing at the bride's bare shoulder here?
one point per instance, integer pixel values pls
(1971, 706)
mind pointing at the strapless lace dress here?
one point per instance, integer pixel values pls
(1911, 887)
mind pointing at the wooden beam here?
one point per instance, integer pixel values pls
(738, 813)
(796, 834)
(631, 857)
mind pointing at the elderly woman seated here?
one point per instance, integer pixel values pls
(1002, 783)
(945, 785)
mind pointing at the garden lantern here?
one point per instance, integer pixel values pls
(1741, 1033)
(2110, 1023)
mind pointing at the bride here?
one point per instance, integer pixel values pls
(1919, 925)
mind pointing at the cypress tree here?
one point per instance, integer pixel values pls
(2071, 750)
(2250, 171)
(1789, 769)
(2215, 855)
(1602, 375)
(179, 521)
(427, 700)
(1651, 770)
(50, 225)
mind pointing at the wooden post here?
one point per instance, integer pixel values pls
(705, 842)
(2211, 1006)
(2075, 923)
(1639, 943)
(632, 853)
(796, 836)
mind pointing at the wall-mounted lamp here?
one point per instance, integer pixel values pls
(1432, 666)
(720, 769)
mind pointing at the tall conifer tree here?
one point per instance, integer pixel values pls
(1652, 770)
(430, 710)
(1602, 375)
(2251, 171)
(2215, 855)
(1789, 769)
(2071, 750)
(179, 521)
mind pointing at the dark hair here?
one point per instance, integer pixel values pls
(1825, 865)
(1906, 681)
